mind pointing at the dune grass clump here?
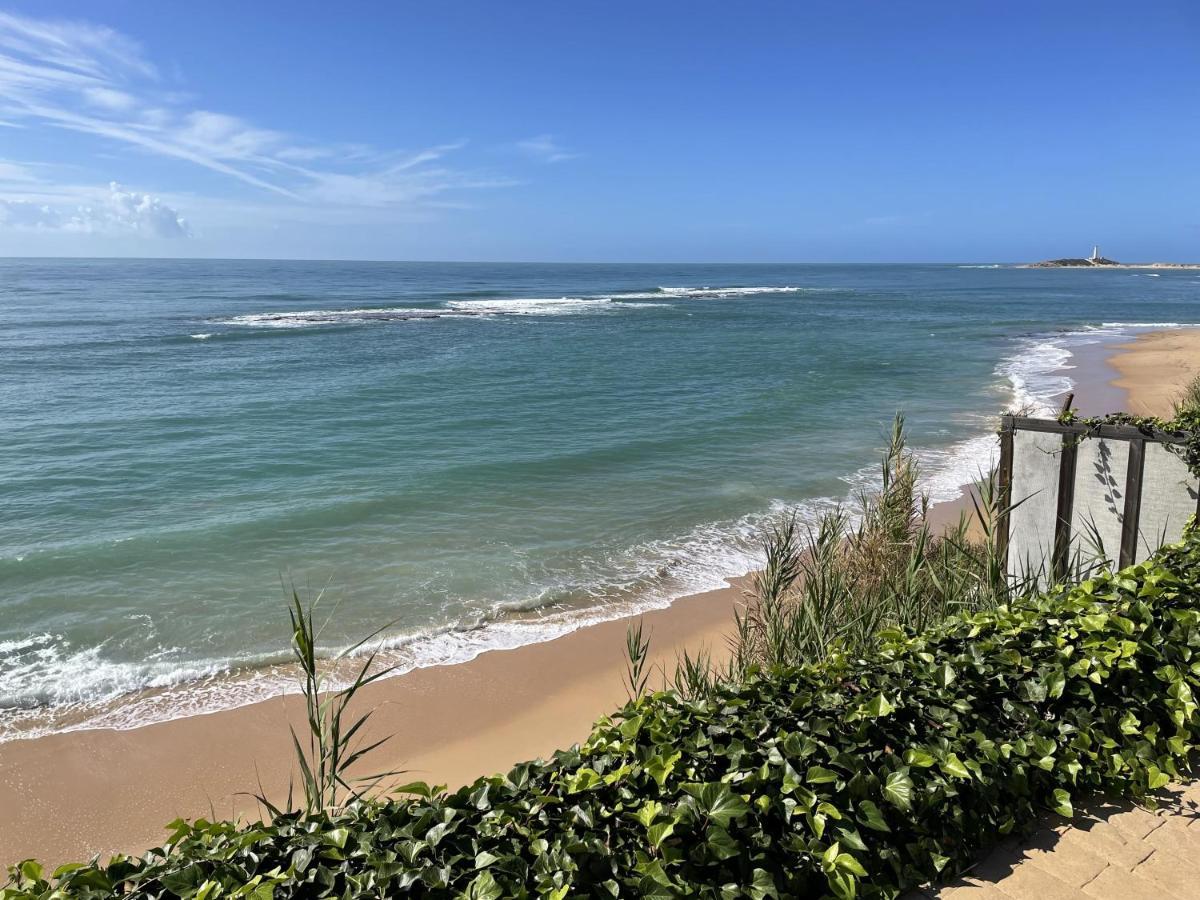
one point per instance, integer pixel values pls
(1188, 400)
(834, 586)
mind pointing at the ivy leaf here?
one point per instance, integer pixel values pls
(877, 707)
(842, 885)
(656, 834)
(1062, 803)
(848, 863)
(1055, 682)
(630, 727)
(660, 767)
(649, 811)
(337, 837)
(721, 844)
(952, 765)
(898, 789)
(716, 801)
(944, 675)
(762, 887)
(820, 775)
(919, 758)
(1156, 779)
(484, 887)
(583, 780)
(870, 816)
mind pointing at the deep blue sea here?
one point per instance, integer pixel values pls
(486, 455)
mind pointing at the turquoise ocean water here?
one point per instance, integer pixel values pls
(487, 454)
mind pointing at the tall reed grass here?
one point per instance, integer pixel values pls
(1188, 400)
(333, 737)
(836, 584)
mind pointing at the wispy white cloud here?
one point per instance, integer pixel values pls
(92, 80)
(11, 171)
(545, 148)
(119, 211)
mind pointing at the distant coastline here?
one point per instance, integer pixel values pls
(1103, 263)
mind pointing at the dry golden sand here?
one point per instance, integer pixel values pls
(69, 796)
(1154, 367)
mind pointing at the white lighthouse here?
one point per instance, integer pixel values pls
(1095, 257)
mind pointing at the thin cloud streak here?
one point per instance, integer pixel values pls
(92, 80)
(545, 148)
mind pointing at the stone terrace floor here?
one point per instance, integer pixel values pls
(1114, 850)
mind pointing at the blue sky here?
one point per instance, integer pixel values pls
(580, 131)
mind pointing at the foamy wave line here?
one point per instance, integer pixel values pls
(91, 693)
(718, 292)
(305, 318)
(544, 306)
(498, 306)
(87, 692)
(1151, 325)
(649, 576)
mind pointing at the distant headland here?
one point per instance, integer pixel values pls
(1098, 261)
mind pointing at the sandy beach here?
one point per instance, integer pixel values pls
(70, 796)
(1153, 367)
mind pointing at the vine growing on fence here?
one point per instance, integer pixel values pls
(1185, 427)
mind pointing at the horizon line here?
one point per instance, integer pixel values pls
(518, 262)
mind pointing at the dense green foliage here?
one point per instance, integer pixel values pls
(853, 776)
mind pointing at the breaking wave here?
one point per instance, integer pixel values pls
(497, 306)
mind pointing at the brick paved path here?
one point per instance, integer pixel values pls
(1116, 851)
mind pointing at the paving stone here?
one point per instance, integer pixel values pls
(1113, 852)
(1171, 873)
(1102, 839)
(1076, 866)
(1117, 884)
(1176, 838)
(1028, 882)
(1135, 823)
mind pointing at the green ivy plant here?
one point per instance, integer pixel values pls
(855, 777)
(1185, 426)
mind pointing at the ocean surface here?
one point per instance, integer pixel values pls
(483, 455)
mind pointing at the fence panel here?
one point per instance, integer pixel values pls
(1110, 495)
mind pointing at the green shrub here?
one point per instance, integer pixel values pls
(854, 776)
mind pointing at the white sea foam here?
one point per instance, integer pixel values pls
(715, 292)
(1036, 373)
(988, 266)
(87, 691)
(310, 317)
(538, 306)
(1132, 325)
(496, 306)
(201, 337)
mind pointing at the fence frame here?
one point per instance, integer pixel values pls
(1072, 435)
